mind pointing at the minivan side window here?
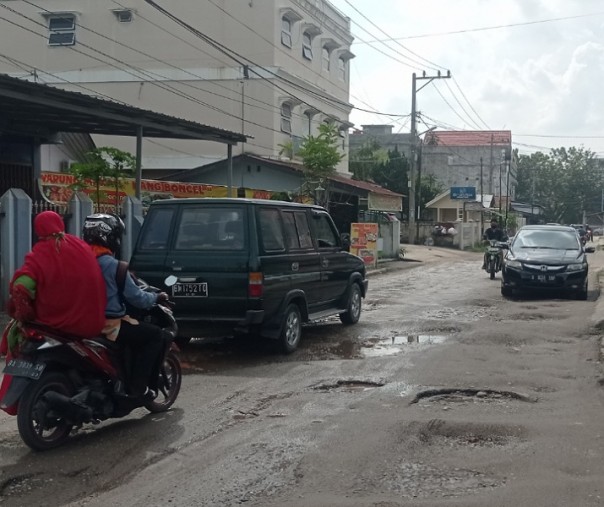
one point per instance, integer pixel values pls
(326, 234)
(157, 231)
(297, 230)
(270, 230)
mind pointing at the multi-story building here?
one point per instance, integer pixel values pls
(382, 135)
(480, 159)
(271, 69)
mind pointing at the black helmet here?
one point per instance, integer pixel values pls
(105, 230)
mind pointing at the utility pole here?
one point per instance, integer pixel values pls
(414, 151)
(481, 200)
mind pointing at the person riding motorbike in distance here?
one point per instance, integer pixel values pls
(59, 286)
(144, 342)
(494, 232)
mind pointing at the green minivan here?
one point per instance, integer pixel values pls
(249, 266)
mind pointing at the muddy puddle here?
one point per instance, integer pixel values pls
(377, 347)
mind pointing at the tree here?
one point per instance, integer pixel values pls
(102, 165)
(567, 183)
(320, 156)
(428, 188)
(393, 173)
(364, 160)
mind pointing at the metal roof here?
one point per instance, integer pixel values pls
(38, 109)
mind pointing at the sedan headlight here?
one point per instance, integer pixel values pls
(511, 263)
(576, 267)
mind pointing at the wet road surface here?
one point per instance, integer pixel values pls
(444, 393)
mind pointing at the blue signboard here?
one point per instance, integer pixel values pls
(463, 193)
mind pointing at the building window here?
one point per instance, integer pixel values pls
(326, 59)
(62, 30)
(286, 32)
(342, 69)
(307, 46)
(286, 117)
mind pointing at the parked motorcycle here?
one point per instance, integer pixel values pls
(494, 257)
(61, 382)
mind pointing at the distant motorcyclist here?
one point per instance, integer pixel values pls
(494, 232)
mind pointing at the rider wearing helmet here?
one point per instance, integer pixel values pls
(494, 232)
(145, 342)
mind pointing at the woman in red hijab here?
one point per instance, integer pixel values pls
(59, 285)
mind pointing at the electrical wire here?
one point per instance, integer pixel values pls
(435, 66)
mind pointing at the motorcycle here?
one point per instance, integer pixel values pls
(61, 382)
(493, 259)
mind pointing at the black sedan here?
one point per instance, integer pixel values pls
(549, 257)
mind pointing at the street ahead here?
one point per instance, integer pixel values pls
(444, 394)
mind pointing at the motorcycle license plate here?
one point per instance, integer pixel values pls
(188, 290)
(23, 368)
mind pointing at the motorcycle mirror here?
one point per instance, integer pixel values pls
(171, 280)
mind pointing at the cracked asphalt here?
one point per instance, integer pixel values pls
(444, 393)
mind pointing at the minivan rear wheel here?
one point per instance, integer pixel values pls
(353, 307)
(291, 329)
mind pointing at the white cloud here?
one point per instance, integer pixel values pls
(538, 78)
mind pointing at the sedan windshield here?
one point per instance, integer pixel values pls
(559, 240)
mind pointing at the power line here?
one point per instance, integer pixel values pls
(393, 40)
(495, 27)
(469, 104)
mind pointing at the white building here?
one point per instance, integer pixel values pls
(271, 69)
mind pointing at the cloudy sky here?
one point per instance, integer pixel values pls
(535, 67)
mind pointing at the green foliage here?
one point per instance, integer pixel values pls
(566, 182)
(393, 173)
(320, 155)
(102, 166)
(428, 188)
(287, 149)
(366, 159)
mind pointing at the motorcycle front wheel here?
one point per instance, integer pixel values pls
(39, 427)
(170, 379)
(491, 268)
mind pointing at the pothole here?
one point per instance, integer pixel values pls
(441, 432)
(448, 395)
(533, 316)
(348, 385)
(375, 347)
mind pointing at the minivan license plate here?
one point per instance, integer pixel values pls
(22, 368)
(190, 290)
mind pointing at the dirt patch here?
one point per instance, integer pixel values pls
(441, 432)
(422, 480)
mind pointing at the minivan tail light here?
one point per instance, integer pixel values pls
(255, 282)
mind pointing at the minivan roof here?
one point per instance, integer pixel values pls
(232, 200)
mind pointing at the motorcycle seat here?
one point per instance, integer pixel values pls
(101, 340)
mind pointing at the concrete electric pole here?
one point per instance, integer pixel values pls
(414, 151)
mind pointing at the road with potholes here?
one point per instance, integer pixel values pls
(445, 393)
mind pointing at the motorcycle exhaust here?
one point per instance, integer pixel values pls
(70, 409)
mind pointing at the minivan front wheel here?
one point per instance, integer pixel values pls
(353, 308)
(291, 329)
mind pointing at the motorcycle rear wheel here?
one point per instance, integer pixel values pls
(170, 379)
(34, 418)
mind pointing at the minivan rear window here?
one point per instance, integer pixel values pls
(211, 228)
(297, 229)
(156, 232)
(271, 230)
